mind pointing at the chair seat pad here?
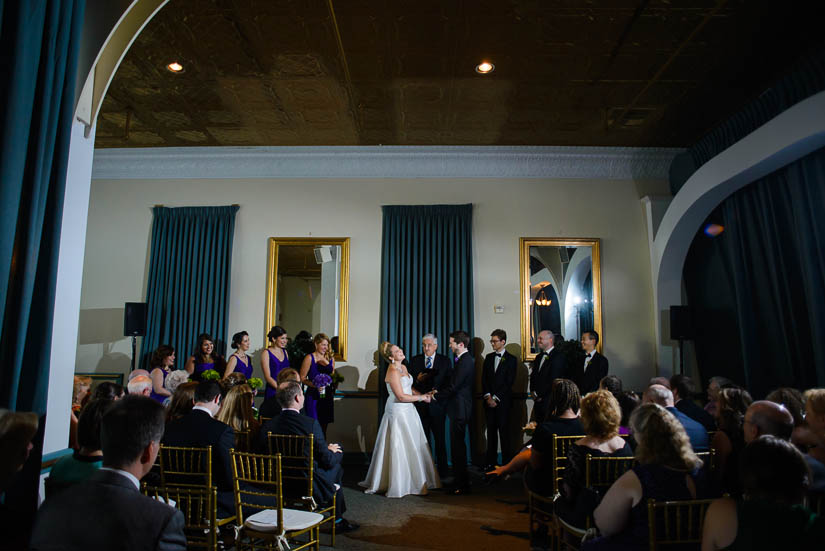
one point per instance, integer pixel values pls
(267, 520)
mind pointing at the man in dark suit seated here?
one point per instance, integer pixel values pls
(698, 436)
(270, 407)
(683, 389)
(594, 367)
(198, 429)
(432, 371)
(107, 511)
(498, 376)
(549, 364)
(328, 471)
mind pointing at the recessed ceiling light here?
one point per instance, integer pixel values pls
(485, 68)
(175, 67)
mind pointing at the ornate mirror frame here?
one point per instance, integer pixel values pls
(272, 283)
(524, 260)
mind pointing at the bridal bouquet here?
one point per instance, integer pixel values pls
(175, 379)
(321, 381)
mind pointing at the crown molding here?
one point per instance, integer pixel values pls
(611, 163)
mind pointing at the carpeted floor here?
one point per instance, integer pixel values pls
(490, 518)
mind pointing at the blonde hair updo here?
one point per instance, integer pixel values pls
(386, 350)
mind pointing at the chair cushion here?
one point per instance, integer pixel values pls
(267, 520)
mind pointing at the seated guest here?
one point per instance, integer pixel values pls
(815, 422)
(714, 386)
(664, 381)
(658, 394)
(108, 390)
(89, 458)
(140, 385)
(183, 400)
(233, 379)
(683, 391)
(270, 406)
(612, 384)
(107, 511)
(17, 428)
(628, 400)
(730, 438)
(199, 429)
(563, 420)
(766, 417)
(793, 401)
(667, 469)
(600, 414)
(328, 471)
(236, 411)
(770, 514)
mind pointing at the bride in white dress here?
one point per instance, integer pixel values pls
(401, 460)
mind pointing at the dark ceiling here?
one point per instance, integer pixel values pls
(401, 72)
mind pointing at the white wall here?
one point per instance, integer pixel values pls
(120, 220)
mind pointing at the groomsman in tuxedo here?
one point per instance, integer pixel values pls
(594, 367)
(549, 365)
(432, 371)
(458, 395)
(497, 380)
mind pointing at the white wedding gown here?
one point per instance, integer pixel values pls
(401, 461)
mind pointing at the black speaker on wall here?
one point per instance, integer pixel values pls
(681, 323)
(134, 319)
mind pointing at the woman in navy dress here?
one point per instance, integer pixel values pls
(274, 359)
(319, 361)
(203, 358)
(239, 362)
(163, 358)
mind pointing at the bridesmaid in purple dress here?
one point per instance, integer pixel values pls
(274, 359)
(163, 358)
(203, 358)
(320, 361)
(239, 362)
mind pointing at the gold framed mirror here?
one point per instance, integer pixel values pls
(561, 289)
(308, 287)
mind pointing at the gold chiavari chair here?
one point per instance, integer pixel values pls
(708, 459)
(256, 478)
(183, 467)
(243, 440)
(674, 524)
(298, 473)
(198, 507)
(561, 447)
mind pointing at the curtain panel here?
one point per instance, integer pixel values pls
(426, 277)
(39, 43)
(760, 285)
(189, 274)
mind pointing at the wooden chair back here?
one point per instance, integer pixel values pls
(198, 506)
(676, 523)
(602, 472)
(561, 447)
(185, 467)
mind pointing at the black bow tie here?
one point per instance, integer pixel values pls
(498, 355)
(589, 355)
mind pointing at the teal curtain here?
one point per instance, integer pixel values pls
(39, 43)
(759, 287)
(426, 276)
(189, 271)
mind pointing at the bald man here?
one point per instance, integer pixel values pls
(550, 364)
(764, 417)
(659, 394)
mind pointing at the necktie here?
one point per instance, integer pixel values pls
(429, 363)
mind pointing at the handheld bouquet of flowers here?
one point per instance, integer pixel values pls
(255, 383)
(321, 382)
(211, 375)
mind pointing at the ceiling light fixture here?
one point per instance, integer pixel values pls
(485, 68)
(175, 67)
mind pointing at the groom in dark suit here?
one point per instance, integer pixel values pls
(431, 371)
(107, 511)
(497, 380)
(459, 397)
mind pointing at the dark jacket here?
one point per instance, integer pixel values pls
(327, 463)
(543, 375)
(499, 382)
(437, 377)
(698, 414)
(107, 512)
(589, 380)
(696, 433)
(458, 393)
